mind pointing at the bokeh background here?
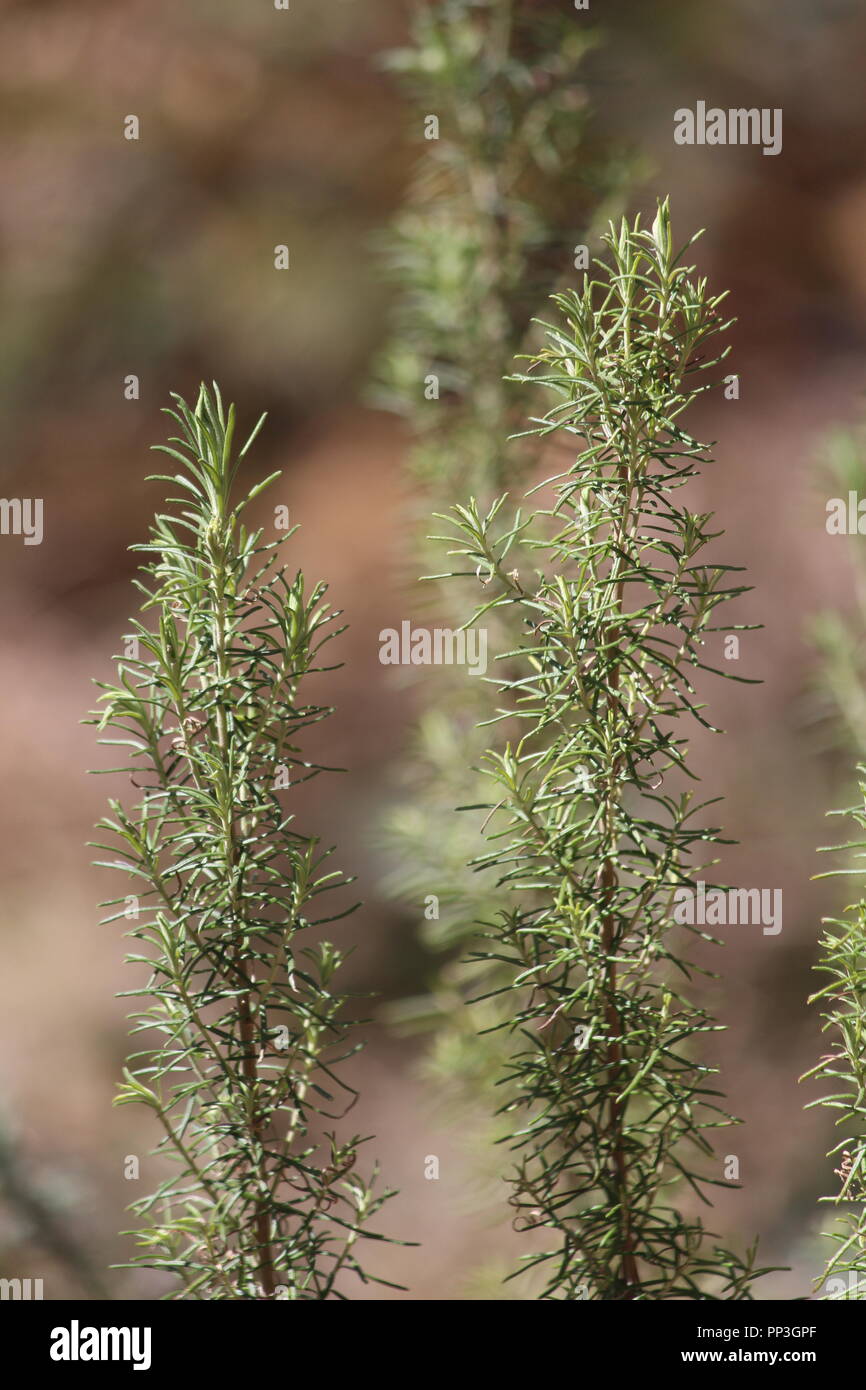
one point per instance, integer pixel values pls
(156, 258)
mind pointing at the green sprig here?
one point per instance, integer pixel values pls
(243, 1034)
(590, 823)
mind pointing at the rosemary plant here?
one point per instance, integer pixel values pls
(842, 947)
(843, 958)
(511, 188)
(242, 1034)
(588, 833)
(505, 197)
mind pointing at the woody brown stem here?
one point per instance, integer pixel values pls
(246, 1026)
(616, 1112)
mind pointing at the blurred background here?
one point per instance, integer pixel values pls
(156, 258)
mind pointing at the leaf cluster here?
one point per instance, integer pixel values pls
(241, 1029)
(842, 948)
(591, 822)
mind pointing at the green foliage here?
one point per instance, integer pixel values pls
(590, 823)
(492, 218)
(842, 948)
(843, 959)
(241, 1024)
(841, 639)
(498, 203)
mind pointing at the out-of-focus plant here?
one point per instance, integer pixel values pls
(590, 826)
(508, 191)
(841, 641)
(511, 190)
(242, 1032)
(38, 1209)
(841, 638)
